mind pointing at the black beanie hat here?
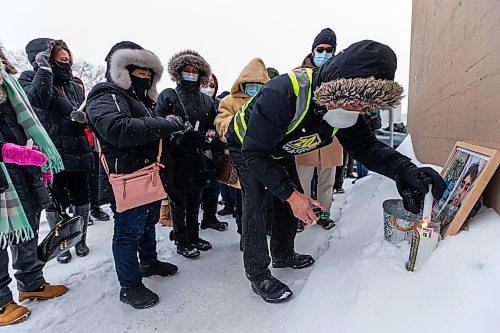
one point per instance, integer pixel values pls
(326, 36)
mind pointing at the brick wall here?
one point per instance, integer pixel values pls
(454, 85)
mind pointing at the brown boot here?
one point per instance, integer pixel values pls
(45, 292)
(12, 313)
(165, 217)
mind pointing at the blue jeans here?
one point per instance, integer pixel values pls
(361, 170)
(134, 233)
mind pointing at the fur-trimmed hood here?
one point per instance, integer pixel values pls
(189, 57)
(128, 53)
(5, 63)
(361, 74)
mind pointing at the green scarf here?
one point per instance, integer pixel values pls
(14, 225)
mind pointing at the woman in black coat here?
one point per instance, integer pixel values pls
(55, 95)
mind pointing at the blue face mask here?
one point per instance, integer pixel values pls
(189, 77)
(252, 88)
(320, 58)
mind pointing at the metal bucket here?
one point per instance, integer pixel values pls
(394, 207)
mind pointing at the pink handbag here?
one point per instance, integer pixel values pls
(139, 187)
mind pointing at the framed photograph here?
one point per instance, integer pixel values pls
(466, 173)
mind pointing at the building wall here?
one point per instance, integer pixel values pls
(454, 86)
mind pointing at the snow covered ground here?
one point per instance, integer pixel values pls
(358, 284)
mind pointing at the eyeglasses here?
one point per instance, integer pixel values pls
(323, 49)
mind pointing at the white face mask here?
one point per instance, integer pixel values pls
(340, 118)
(189, 77)
(207, 91)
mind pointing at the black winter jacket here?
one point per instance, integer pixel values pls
(27, 180)
(184, 167)
(128, 132)
(53, 103)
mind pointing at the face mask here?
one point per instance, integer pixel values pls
(189, 77)
(252, 88)
(340, 118)
(208, 91)
(320, 58)
(140, 85)
(62, 71)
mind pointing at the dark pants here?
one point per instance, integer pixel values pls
(185, 206)
(340, 172)
(25, 261)
(134, 233)
(212, 191)
(228, 194)
(94, 182)
(284, 225)
(74, 184)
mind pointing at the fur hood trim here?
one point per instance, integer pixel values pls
(5, 63)
(371, 93)
(119, 74)
(189, 57)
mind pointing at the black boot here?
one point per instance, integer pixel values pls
(183, 247)
(139, 297)
(97, 213)
(159, 268)
(81, 247)
(209, 218)
(195, 240)
(64, 258)
(227, 210)
(296, 261)
(272, 290)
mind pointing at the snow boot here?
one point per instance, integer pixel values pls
(210, 219)
(64, 258)
(325, 221)
(97, 213)
(12, 313)
(165, 214)
(139, 297)
(272, 290)
(159, 268)
(43, 293)
(227, 210)
(296, 261)
(202, 244)
(195, 240)
(185, 249)
(81, 247)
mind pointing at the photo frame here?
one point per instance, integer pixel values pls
(467, 171)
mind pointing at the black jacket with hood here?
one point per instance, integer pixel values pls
(53, 102)
(126, 127)
(271, 111)
(185, 168)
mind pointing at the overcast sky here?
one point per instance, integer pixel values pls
(227, 33)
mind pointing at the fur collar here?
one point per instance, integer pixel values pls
(187, 57)
(371, 93)
(121, 58)
(5, 63)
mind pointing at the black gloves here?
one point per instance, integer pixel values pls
(176, 123)
(413, 183)
(197, 139)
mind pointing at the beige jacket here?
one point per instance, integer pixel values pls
(254, 72)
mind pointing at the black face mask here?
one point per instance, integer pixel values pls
(62, 71)
(189, 85)
(141, 86)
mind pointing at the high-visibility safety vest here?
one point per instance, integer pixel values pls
(302, 87)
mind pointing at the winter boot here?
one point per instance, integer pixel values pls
(81, 247)
(43, 293)
(139, 297)
(98, 214)
(325, 221)
(272, 290)
(183, 247)
(159, 268)
(227, 210)
(64, 258)
(195, 240)
(297, 261)
(165, 214)
(11, 313)
(209, 218)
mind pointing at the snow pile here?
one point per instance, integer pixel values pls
(358, 284)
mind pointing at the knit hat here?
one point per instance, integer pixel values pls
(326, 36)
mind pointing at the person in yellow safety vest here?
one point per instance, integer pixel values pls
(299, 112)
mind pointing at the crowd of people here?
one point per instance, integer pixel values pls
(288, 136)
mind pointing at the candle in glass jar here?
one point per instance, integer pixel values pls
(424, 242)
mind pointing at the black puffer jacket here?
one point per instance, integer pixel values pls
(53, 102)
(185, 169)
(26, 179)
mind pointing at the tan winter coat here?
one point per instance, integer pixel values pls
(254, 72)
(326, 157)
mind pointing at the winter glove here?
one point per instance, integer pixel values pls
(48, 177)
(42, 59)
(413, 183)
(175, 122)
(12, 153)
(78, 116)
(197, 139)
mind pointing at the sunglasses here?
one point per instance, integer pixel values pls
(323, 49)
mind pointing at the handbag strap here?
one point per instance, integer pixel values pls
(182, 104)
(105, 163)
